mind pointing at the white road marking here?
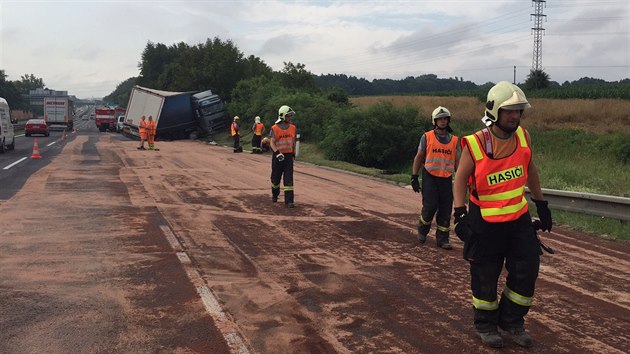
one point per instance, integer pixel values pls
(15, 163)
(51, 143)
(210, 302)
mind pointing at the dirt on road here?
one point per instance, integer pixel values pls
(339, 273)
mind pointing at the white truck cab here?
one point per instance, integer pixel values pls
(7, 134)
(120, 123)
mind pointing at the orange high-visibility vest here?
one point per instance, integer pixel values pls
(500, 183)
(259, 129)
(284, 138)
(235, 129)
(142, 126)
(151, 127)
(440, 158)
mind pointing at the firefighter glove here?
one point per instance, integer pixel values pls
(415, 184)
(462, 229)
(542, 208)
(280, 156)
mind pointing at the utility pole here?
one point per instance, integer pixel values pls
(538, 31)
(514, 81)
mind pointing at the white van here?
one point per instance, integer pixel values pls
(7, 135)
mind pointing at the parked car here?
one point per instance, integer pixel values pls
(36, 126)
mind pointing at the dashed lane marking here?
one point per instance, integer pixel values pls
(15, 163)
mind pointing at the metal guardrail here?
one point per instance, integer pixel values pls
(588, 203)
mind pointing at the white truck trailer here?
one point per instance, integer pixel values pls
(59, 113)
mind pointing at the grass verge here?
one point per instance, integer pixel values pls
(604, 227)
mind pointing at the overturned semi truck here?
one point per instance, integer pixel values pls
(179, 115)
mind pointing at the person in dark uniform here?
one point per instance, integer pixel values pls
(282, 143)
(235, 132)
(495, 166)
(437, 157)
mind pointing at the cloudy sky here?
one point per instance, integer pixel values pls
(87, 47)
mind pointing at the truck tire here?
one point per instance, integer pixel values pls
(12, 146)
(2, 147)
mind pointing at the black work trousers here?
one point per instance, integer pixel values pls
(492, 245)
(237, 142)
(256, 139)
(437, 196)
(282, 170)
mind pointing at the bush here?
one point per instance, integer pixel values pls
(383, 136)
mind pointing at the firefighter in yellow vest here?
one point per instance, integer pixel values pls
(282, 142)
(151, 132)
(235, 132)
(437, 158)
(142, 130)
(495, 166)
(258, 129)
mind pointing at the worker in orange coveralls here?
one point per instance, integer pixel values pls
(142, 129)
(151, 130)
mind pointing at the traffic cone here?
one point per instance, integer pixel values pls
(36, 154)
(63, 137)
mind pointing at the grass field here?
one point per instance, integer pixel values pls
(568, 138)
(597, 116)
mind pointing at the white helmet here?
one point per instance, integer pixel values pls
(504, 95)
(235, 118)
(283, 112)
(257, 119)
(440, 112)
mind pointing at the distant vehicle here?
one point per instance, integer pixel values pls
(105, 118)
(120, 124)
(7, 134)
(85, 117)
(59, 113)
(179, 115)
(36, 126)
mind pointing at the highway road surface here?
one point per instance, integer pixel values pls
(108, 249)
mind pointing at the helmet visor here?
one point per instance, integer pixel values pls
(517, 107)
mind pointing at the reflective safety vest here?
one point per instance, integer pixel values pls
(235, 129)
(284, 138)
(142, 126)
(151, 127)
(498, 186)
(440, 158)
(259, 129)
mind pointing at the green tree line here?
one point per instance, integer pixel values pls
(383, 136)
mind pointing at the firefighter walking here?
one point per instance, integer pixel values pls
(496, 164)
(437, 157)
(258, 129)
(235, 132)
(282, 143)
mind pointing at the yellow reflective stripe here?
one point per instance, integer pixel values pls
(521, 136)
(510, 209)
(424, 222)
(288, 188)
(485, 305)
(474, 146)
(516, 297)
(275, 185)
(443, 228)
(504, 195)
